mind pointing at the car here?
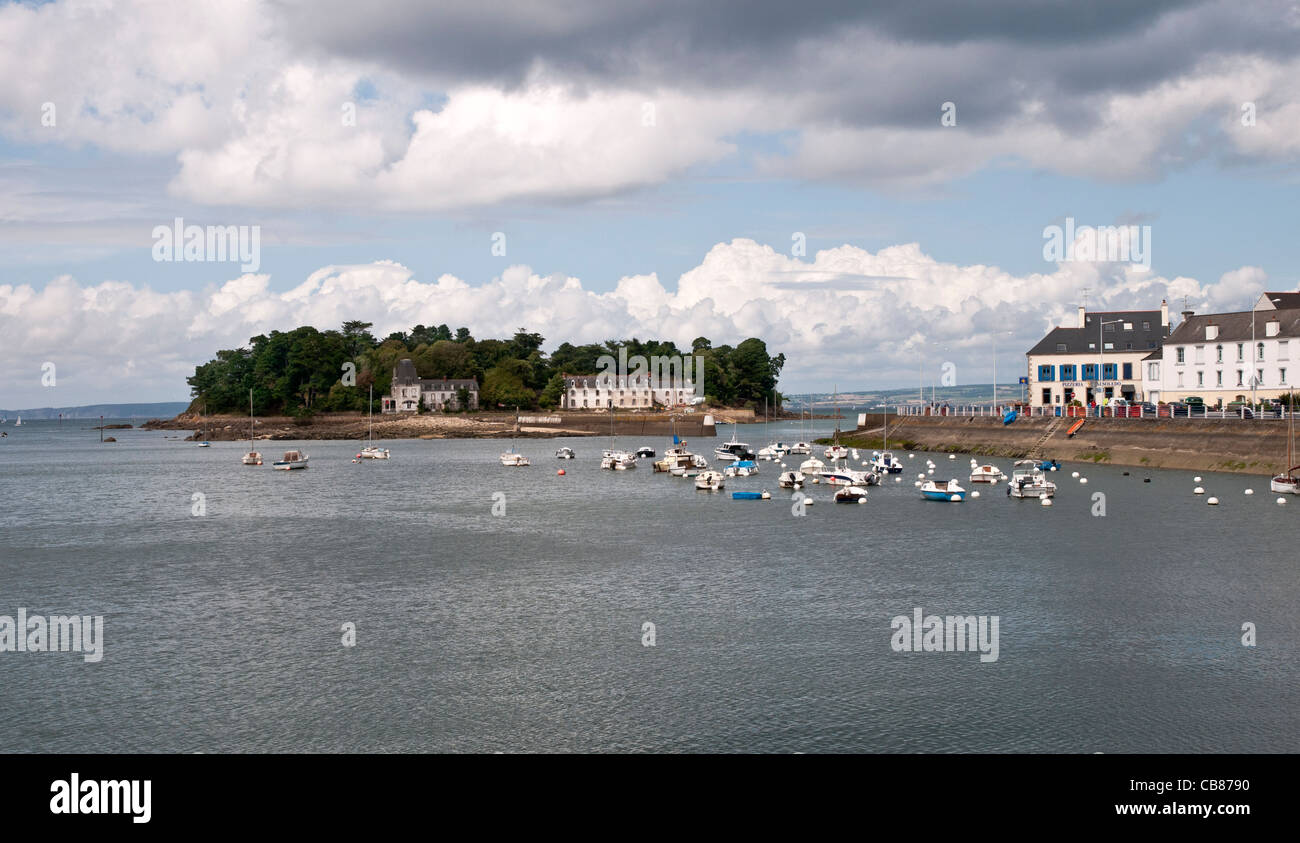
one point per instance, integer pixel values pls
(1148, 409)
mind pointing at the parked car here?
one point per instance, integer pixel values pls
(1148, 409)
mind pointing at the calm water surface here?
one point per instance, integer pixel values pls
(523, 632)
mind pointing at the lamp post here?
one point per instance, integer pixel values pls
(1101, 360)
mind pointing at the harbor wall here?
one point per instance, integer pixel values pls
(1254, 446)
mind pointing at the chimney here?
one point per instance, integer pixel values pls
(1188, 314)
(1164, 313)
(1083, 319)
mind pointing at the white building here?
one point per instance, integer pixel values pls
(1219, 357)
(409, 391)
(1106, 355)
(589, 392)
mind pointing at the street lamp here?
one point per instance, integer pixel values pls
(1101, 360)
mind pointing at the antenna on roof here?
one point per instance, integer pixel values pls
(1085, 298)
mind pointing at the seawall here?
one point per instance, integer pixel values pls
(1254, 446)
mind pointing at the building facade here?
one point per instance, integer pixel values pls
(589, 392)
(1221, 357)
(409, 391)
(1106, 355)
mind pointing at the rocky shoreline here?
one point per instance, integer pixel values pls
(224, 428)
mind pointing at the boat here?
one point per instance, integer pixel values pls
(291, 460)
(371, 451)
(1049, 465)
(850, 494)
(845, 476)
(617, 460)
(751, 496)
(733, 450)
(645, 452)
(790, 480)
(514, 459)
(205, 443)
(709, 481)
(773, 450)
(1029, 481)
(1289, 483)
(19, 421)
(1074, 428)
(943, 490)
(685, 471)
(800, 448)
(741, 468)
(987, 474)
(886, 463)
(1009, 417)
(565, 453)
(252, 457)
(812, 468)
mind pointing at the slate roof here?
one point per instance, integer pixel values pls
(1235, 327)
(1076, 340)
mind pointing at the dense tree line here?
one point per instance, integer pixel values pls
(302, 371)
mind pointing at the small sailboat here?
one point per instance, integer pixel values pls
(943, 490)
(252, 457)
(709, 481)
(1288, 483)
(612, 458)
(514, 459)
(565, 453)
(291, 460)
(371, 451)
(19, 421)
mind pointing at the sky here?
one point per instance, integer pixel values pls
(868, 187)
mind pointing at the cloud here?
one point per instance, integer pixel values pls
(116, 341)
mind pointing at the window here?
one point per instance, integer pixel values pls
(1283, 349)
(1281, 375)
(1068, 372)
(1060, 347)
(1241, 351)
(1182, 355)
(1128, 326)
(1200, 379)
(1128, 371)
(1046, 373)
(1259, 351)
(1239, 375)
(1129, 346)
(1110, 328)
(1108, 372)
(1153, 371)
(1146, 326)
(1218, 378)
(1180, 380)
(1218, 354)
(1200, 354)
(1259, 377)
(1090, 371)
(1110, 346)
(1047, 396)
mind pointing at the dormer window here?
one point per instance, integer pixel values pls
(1211, 332)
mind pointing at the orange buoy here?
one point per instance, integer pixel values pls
(560, 472)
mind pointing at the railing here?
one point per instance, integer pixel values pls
(1136, 411)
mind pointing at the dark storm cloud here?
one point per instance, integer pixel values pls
(858, 64)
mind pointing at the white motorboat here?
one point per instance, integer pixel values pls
(800, 448)
(774, 451)
(790, 480)
(565, 453)
(812, 468)
(291, 460)
(734, 449)
(741, 468)
(709, 481)
(252, 458)
(943, 490)
(614, 460)
(835, 453)
(987, 474)
(850, 494)
(1028, 480)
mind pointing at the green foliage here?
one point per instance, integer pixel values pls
(300, 372)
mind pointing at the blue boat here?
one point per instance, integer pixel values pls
(943, 490)
(1009, 417)
(1048, 465)
(748, 496)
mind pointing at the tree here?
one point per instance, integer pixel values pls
(553, 393)
(504, 385)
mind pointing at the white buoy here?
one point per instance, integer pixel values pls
(1198, 491)
(767, 496)
(918, 485)
(1196, 479)
(1249, 492)
(1281, 501)
(1045, 502)
(931, 471)
(974, 494)
(920, 477)
(910, 456)
(1213, 501)
(952, 456)
(807, 501)
(898, 480)
(1074, 474)
(1053, 468)
(1083, 479)
(862, 500)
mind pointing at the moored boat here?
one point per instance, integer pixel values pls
(943, 490)
(850, 494)
(291, 460)
(987, 474)
(1029, 481)
(709, 481)
(565, 453)
(790, 480)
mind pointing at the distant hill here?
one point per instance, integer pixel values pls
(164, 410)
(975, 393)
